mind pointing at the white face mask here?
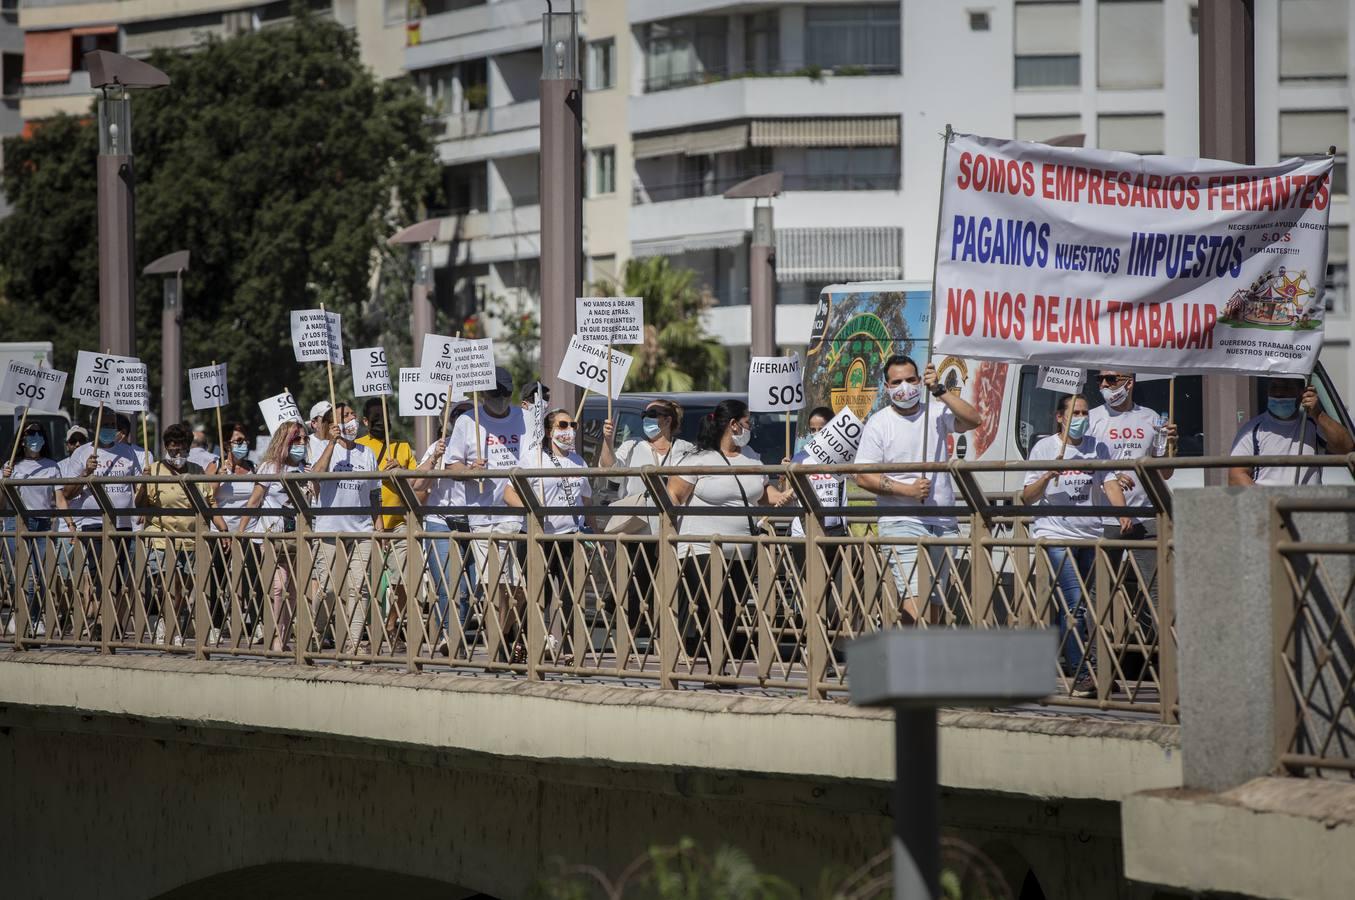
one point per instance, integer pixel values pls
(1117, 395)
(349, 430)
(904, 395)
(565, 440)
(742, 438)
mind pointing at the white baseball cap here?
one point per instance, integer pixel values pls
(320, 409)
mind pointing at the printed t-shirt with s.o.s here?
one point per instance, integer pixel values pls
(500, 442)
(118, 461)
(347, 493)
(1072, 488)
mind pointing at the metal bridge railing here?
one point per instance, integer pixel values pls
(768, 612)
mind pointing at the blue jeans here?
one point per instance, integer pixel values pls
(903, 558)
(32, 581)
(1071, 567)
(438, 552)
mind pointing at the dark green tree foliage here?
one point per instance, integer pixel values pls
(279, 161)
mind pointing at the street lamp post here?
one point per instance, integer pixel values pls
(115, 75)
(561, 193)
(171, 266)
(421, 236)
(761, 261)
(915, 672)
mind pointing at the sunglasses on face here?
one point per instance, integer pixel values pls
(1112, 379)
(562, 426)
(653, 414)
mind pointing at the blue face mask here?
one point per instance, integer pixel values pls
(34, 443)
(651, 427)
(107, 436)
(801, 441)
(1282, 407)
(296, 453)
(239, 451)
(1077, 428)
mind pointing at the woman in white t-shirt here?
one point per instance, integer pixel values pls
(234, 495)
(722, 440)
(1071, 487)
(286, 453)
(557, 451)
(37, 500)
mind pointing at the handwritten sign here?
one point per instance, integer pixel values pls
(586, 365)
(131, 387)
(610, 320)
(317, 336)
(474, 363)
(32, 386)
(436, 360)
(421, 395)
(836, 442)
(775, 384)
(279, 410)
(94, 377)
(371, 375)
(207, 387)
(1062, 379)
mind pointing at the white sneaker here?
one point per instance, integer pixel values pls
(178, 640)
(552, 644)
(160, 632)
(9, 626)
(214, 636)
(41, 630)
(258, 633)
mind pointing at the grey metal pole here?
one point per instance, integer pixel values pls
(171, 351)
(117, 225)
(561, 196)
(917, 805)
(420, 324)
(1227, 131)
(762, 283)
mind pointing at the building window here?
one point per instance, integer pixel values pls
(604, 171)
(1337, 293)
(1043, 128)
(762, 42)
(1048, 46)
(847, 169)
(680, 52)
(1313, 39)
(1311, 133)
(1129, 44)
(853, 37)
(602, 64)
(980, 20)
(1141, 134)
(11, 74)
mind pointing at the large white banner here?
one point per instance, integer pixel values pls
(1096, 258)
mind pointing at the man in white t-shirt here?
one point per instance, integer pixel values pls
(356, 515)
(895, 433)
(1293, 424)
(319, 436)
(1130, 431)
(495, 443)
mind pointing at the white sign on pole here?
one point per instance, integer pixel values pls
(474, 365)
(317, 336)
(436, 359)
(207, 387)
(1062, 379)
(836, 442)
(610, 320)
(586, 365)
(776, 384)
(131, 387)
(421, 395)
(33, 387)
(278, 410)
(95, 374)
(371, 375)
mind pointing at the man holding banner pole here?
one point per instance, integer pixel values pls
(1292, 424)
(896, 433)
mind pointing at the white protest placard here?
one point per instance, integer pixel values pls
(278, 410)
(473, 362)
(610, 320)
(131, 387)
(32, 387)
(371, 375)
(1102, 259)
(586, 365)
(775, 384)
(95, 374)
(317, 336)
(207, 387)
(421, 395)
(436, 359)
(836, 442)
(1061, 379)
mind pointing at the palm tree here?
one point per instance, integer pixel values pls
(678, 354)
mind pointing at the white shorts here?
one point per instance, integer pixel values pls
(507, 564)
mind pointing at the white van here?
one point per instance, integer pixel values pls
(857, 326)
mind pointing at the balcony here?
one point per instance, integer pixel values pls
(486, 29)
(803, 181)
(497, 235)
(759, 97)
(491, 132)
(77, 84)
